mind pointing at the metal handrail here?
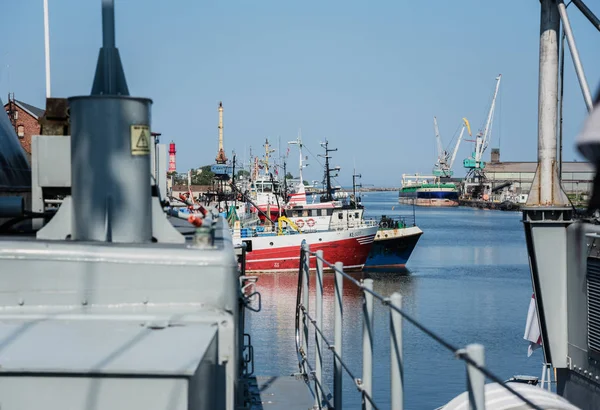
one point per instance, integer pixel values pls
(472, 355)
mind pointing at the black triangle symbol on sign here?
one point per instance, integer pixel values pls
(142, 142)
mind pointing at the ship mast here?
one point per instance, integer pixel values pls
(329, 190)
(221, 158)
(299, 143)
(267, 154)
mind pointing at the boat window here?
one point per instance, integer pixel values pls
(330, 212)
(304, 213)
(314, 212)
(340, 216)
(323, 212)
(357, 215)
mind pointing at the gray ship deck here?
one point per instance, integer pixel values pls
(279, 393)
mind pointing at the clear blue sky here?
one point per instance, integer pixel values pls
(369, 76)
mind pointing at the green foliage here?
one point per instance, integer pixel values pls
(289, 176)
(242, 173)
(202, 176)
(178, 179)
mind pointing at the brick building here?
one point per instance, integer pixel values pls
(24, 119)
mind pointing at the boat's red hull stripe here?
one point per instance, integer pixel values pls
(352, 252)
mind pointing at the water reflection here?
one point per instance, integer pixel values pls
(444, 256)
(468, 280)
(273, 328)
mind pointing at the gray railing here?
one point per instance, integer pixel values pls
(472, 355)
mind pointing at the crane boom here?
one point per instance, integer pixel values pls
(465, 124)
(488, 126)
(438, 139)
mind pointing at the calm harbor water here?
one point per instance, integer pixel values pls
(468, 280)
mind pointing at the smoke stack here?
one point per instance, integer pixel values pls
(172, 152)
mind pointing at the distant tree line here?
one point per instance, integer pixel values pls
(200, 176)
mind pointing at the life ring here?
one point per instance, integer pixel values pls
(310, 222)
(299, 223)
(383, 225)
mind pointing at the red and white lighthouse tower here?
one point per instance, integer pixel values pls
(172, 166)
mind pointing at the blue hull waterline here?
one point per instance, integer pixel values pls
(390, 254)
(438, 195)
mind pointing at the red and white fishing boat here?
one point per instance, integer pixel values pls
(277, 248)
(276, 251)
(334, 211)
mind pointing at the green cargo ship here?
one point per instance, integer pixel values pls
(427, 191)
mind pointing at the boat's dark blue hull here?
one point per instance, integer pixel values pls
(392, 253)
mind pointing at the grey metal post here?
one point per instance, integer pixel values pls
(337, 335)
(476, 379)
(319, 320)
(559, 156)
(585, 89)
(397, 366)
(367, 373)
(109, 78)
(108, 23)
(305, 270)
(548, 98)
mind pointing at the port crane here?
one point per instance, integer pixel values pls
(445, 161)
(475, 164)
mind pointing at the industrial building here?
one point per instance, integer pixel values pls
(577, 177)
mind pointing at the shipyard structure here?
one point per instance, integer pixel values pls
(576, 176)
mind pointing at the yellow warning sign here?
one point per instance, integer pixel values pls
(140, 140)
